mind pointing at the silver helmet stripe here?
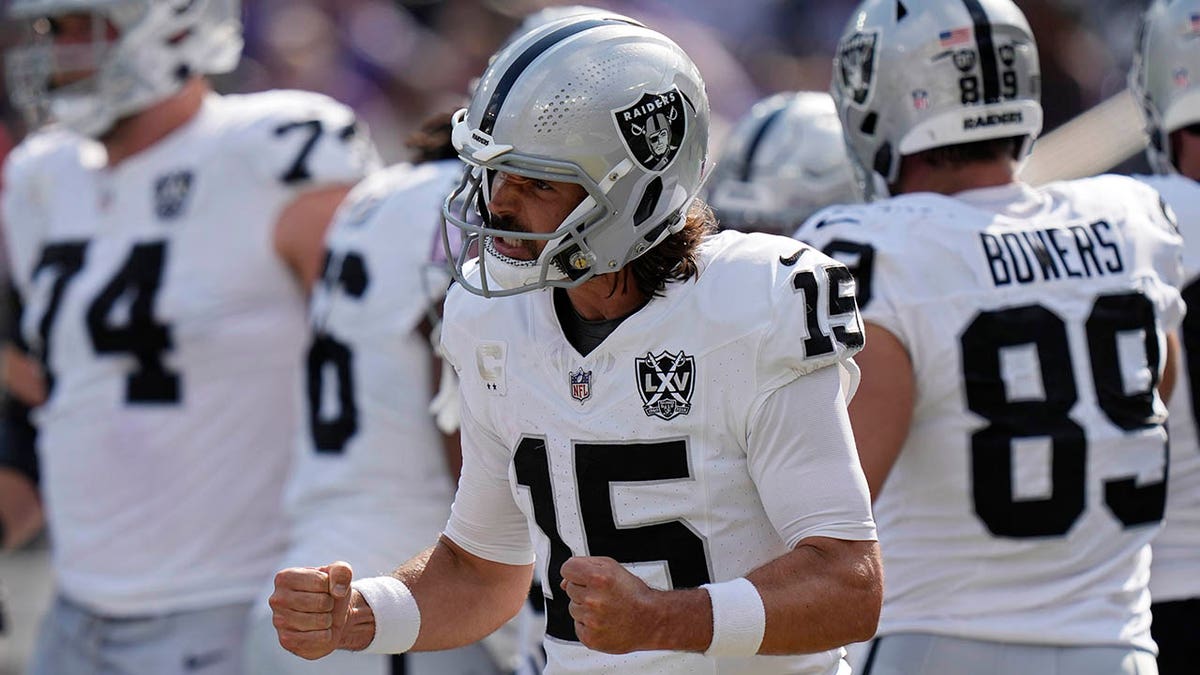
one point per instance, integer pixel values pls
(488, 124)
(748, 167)
(987, 51)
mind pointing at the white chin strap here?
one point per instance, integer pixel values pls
(510, 273)
(83, 114)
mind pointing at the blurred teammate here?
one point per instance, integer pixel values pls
(784, 160)
(1008, 421)
(692, 495)
(1166, 68)
(371, 484)
(162, 238)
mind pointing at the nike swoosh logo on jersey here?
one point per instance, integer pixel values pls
(835, 221)
(198, 661)
(792, 259)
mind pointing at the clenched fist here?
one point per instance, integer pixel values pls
(311, 606)
(612, 608)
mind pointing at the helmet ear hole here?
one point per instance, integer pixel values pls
(869, 123)
(649, 201)
(883, 161)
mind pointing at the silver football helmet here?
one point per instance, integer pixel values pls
(545, 15)
(920, 74)
(785, 160)
(159, 44)
(1166, 75)
(603, 102)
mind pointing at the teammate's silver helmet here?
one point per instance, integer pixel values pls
(159, 44)
(545, 15)
(1166, 74)
(784, 161)
(605, 103)
(920, 74)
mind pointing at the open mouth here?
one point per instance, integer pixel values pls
(511, 250)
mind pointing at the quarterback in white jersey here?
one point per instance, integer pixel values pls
(162, 267)
(1168, 46)
(662, 428)
(1009, 420)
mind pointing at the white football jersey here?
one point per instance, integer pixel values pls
(369, 455)
(171, 332)
(1022, 504)
(1175, 571)
(643, 449)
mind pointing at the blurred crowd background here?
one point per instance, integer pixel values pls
(396, 61)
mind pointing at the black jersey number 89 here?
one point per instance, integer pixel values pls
(597, 467)
(992, 447)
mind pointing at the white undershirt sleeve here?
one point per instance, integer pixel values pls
(484, 519)
(802, 457)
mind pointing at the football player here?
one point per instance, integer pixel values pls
(783, 161)
(162, 238)
(370, 484)
(661, 409)
(1009, 419)
(1164, 65)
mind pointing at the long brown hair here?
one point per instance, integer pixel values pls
(675, 258)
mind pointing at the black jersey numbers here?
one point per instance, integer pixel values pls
(136, 332)
(311, 131)
(120, 320)
(598, 467)
(1048, 415)
(62, 262)
(828, 301)
(859, 258)
(331, 361)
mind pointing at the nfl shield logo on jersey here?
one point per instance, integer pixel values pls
(170, 194)
(666, 382)
(581, 385)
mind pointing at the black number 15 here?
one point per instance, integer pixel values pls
(597, 467)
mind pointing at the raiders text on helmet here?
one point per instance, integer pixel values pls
(596, 100)
(911, 75)
(784, 161)
(159, 44)
(1166, 74)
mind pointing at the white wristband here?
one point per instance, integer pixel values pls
(739, 618)
(397, 618)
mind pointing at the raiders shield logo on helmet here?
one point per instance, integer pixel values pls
(666, 382)
(653, 128)
(856, 65)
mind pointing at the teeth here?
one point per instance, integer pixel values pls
(510, 241)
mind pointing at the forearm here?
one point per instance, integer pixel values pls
(817, 597)
(820, 597)
(20, 509)
(461, 599)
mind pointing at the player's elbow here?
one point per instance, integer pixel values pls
(863, 593)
